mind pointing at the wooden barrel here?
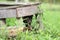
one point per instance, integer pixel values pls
(9, 10)
(18, 10)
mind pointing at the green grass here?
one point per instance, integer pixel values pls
(51, 20)
(51, 17)
(2, 0)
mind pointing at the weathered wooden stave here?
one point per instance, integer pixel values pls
(18, 11)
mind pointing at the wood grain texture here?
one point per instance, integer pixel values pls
(27, 11)
(7, 13)
(18, 11)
